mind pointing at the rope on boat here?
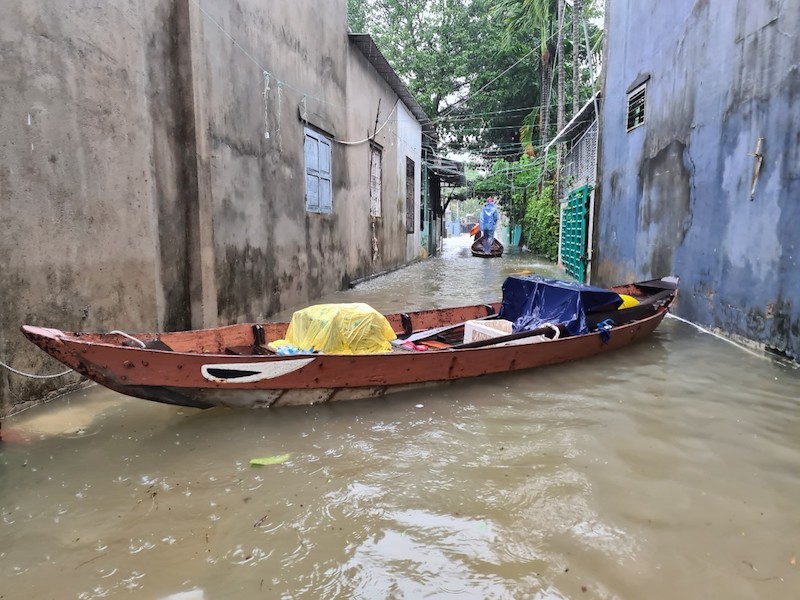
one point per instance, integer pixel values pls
(130, 337)
(31, 375)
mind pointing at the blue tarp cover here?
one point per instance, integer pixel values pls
(530, 301)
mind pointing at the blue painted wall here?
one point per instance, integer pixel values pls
(674, 195)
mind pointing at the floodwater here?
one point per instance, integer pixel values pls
(670, 469)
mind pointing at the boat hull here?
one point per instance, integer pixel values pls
(207, 380)
(496, 250)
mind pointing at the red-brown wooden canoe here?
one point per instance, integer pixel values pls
(228, 366)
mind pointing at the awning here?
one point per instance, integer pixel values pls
(578, 124)
(449, 171)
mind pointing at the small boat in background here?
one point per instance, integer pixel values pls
(478, 249)
(538, 322)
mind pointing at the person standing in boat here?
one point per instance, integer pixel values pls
(488, 222)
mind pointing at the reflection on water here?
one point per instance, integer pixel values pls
(665, 470)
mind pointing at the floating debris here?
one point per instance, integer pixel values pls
(269, 460)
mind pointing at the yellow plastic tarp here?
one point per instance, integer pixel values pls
(627, 301)
(354, 328)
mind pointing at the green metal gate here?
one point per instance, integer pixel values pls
(574, 230)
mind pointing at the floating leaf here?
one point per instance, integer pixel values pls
(269, 460)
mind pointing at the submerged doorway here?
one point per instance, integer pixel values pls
(574, 233)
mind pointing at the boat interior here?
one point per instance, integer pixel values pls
(441, 329)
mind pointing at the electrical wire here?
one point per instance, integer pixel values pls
(465, 98)
(372, 137)
(281, 84)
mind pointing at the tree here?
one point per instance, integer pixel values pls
(576, 56)
(452, 56)
(467, 62)
(357, 15)
(534, 17)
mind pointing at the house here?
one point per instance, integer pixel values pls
(193, 164)
(699, 161)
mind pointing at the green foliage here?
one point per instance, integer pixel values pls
(525, 194)
(452, 56)
(475, 66)
(357, 15)
(540, 225)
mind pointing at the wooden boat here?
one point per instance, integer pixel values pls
(229, 366)
(496, 250)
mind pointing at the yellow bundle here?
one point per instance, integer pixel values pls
(627, 301)
(354, 328)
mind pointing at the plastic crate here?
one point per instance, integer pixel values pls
(475, 331)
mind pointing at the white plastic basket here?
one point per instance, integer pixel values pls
(475, 331)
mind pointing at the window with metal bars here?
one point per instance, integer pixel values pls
(375, 178)
(410, 178)
(636, 107)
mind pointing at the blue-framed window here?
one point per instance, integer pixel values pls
(319, 192)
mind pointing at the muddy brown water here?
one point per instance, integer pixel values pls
(670, 469)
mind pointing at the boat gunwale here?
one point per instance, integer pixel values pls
(69, 338)
(76, 337)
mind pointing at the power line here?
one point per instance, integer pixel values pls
(468, 116)
(452, 106)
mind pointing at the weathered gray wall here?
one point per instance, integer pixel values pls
(269, 252)
(137, 188)
(401, 137)
(675, 193)
(86, 123)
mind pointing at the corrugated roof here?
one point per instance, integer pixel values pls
(578, 124)
(365, 44)
(449, 170)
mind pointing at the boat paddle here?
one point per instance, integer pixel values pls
(429, 333)
(545, 330)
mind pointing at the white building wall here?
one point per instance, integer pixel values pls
(409, 144)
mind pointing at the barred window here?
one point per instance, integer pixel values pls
(636, 107)
(410, 179)
(375, 181)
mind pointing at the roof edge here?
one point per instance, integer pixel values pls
(366, 45)
(571, 129)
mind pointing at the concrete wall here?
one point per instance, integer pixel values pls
(87, 129)
(137, 188)
(675, 192)
(399, 138)
(269, 252)
(409, 139)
